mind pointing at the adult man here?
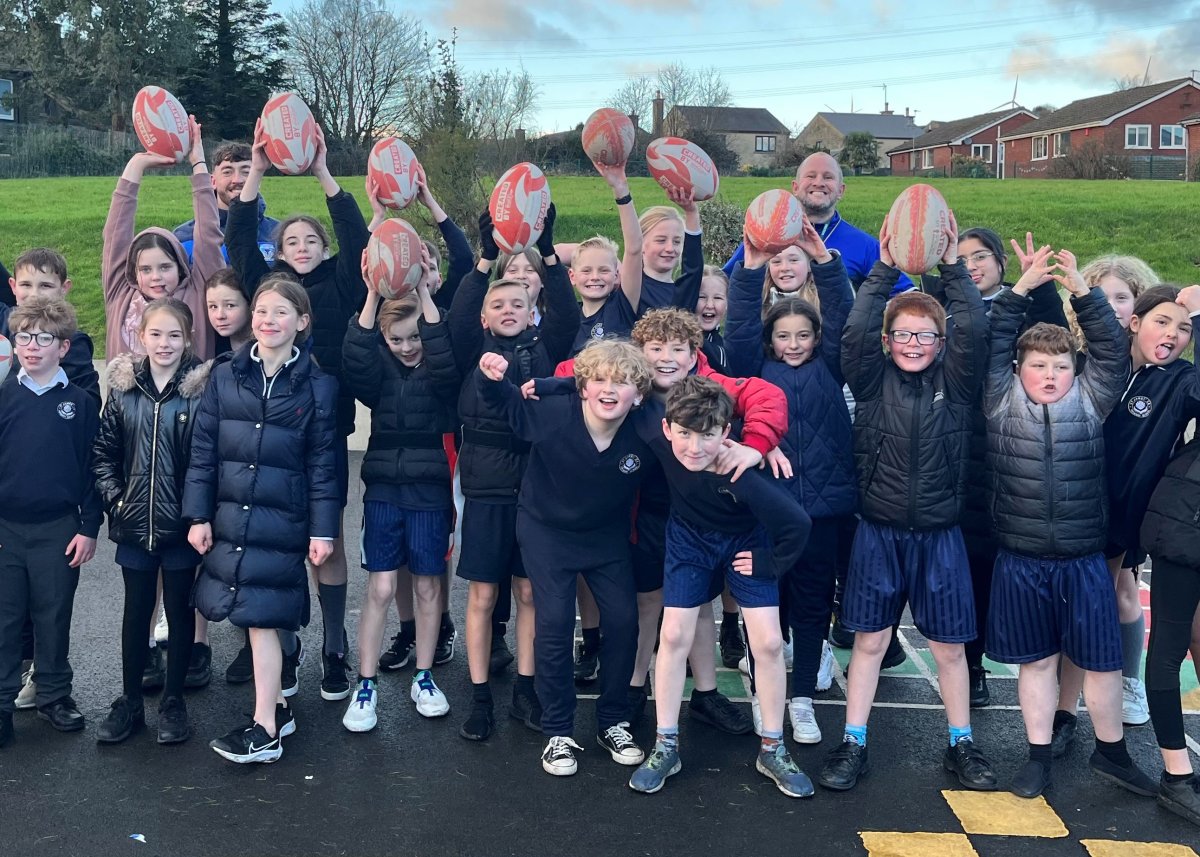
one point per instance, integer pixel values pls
(231, 165)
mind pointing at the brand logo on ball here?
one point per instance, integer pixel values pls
(629, 464)
(66, 410)
(1140, 406)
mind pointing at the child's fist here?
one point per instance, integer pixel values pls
(1189, 299)
(493, 366)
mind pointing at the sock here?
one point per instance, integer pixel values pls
(1133, 636)
(524, 685)
(729, 619)
(1176, 778)
(447, 623)
(481, 693)
(640, 689)
(499, 629)
(701, 694)
(288, 641)
(408, 629)
(857, 734)
(362, 678)
(1115, 751)
(770, 740)
(333, 616)
(960, 734)
(1064, 718)
(668, 736)
(591, 639)
(1040, 753)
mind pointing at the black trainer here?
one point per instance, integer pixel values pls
(1031, 780)
(248, 744)
(199, 671)
(980, 696)
(480, 722)
(399, 653)
(1181, 798)
(894, 656)
(285, 720)
(967, 762)
(173, 725)
(587, 664)
(840, 636)
(733, 647)
(242, 668)
(289, 673)
(6, 728)
(335, 681)
(154, 676)
(123, 720)
(443, 653)
(63, 714)
(501, 657)
(717, 711)
(526, 708)
(843, 766)
(1128, 776)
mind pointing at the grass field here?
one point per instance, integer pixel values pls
(1153, 220)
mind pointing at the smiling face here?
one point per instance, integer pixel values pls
(523, 271)
(594, 273)
(982, 266)
(661, 247)
(506, 310)
(912, 356)
(157, 273)
(695, 450)
(713, 303)
(30, 283)
(1119, 296)
(607, 400)
(275, 321)
(670, 361)
(1161, 335)
(302, 247)
(228, 311)
(40, 361)
(404, 342)
(1046, 378)
(164, 339)
(228, 179)
(793, 340)
(788, 270)
(819, 186)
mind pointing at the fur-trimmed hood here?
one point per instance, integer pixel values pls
(122, 373)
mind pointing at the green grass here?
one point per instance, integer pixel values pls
(1152, 220)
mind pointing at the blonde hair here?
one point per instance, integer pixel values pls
(658, 214)
(398, 309)
(667, 324)
(1130, 270)
(620, 362)
(597, 242)
(717, 272)
(807, 290)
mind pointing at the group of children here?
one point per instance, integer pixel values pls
(640, 484)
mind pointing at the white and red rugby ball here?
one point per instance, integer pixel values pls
(774, 221)
(161, 123)
(291, 133)
(518, 207)
(394, 258)
(676, 162)
(917, 225)
(395, 170)
(608, 137)
(6, 357)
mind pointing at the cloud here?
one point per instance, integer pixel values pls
(515, 20)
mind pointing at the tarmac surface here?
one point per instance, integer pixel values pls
(414, 787)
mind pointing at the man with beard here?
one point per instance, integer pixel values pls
(230, 166)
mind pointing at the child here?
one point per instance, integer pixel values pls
(262, 494)
(140, 461)
(1050, 590)
(1122, 279)
(495, 317)
(228, 310)
(410, 383)
(525, 267)
(745, 534)
(153, 264)
(789, 273)
(52, 531)
(610, 290)
(335, 292)
(669, 241)
(710, 309)
(912, 417)
(802, 351)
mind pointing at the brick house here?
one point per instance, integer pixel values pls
(1191, 133)
(1142, 125)
(829, 130)
(933, 152)
(751, 133)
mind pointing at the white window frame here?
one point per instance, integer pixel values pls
(1042, 143)
(927, 159)
(1136, 129)
(764, 143)
(982, 151)
(1175, 130)
(912, 159)
(7, 114)
(1060, 150)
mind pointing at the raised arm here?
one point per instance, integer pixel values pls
(863, 359)
(966, 357)
(691, 273)
(466, 328)
(743, 325)
(1107, 370)
(207, 239)
(118, 225)
(531, 420)
(631, 234)
(1008, 316)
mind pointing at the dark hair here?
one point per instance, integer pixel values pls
(52, 315)
(43, 259)
(286, 287)
(225, 277)
(283, 227)
(990, 240)
(1152, 297)
(785, 307)
(154, 240)
(232, 152)
(699, 404)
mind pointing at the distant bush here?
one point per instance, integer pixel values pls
(963, 167)
(722, 223)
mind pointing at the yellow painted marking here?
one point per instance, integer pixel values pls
(917, 845)
(1191, 700)
(1004, 814)
(1105, 848)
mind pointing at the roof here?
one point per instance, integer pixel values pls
(731, 119)
(877, 125)
(1194, 119)
(1100, 109)
(955, 132)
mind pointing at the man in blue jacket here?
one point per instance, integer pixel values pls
(230, 166)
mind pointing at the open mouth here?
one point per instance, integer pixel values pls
(1164, 351)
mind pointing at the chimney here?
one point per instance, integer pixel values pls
(906, 114)
(633, 117)
(657, 129)
(885, 111)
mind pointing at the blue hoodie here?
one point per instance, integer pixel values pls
(266, 233)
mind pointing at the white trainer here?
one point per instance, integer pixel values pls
(160, 628)
(430, 700)
(27, 698)
(804, 721)
(787, 653)
(1135, 711)
(360, 714)
(744, 665)
(825, 671)
(559, 757)
(756, 713)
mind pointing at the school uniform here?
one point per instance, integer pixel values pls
(684, 292)
(614, 320)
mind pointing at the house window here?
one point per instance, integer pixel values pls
(1039, 148)
(927, 159)
(912, 160)
(7, 113)
(764, 144)
(982, 151)
(1170, 137)
(1137, 136)
(1062, 144)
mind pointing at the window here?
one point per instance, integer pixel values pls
(1039, 148)
(7, 112)
(1137, 136)
(982, 151)
(1062, 144)
(1170, 136)
(927, 159)
(764, 144)
(912, 160)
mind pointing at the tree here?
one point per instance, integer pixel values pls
(635, 98)
(353, 62)
(1129, 81)
(503, 101)
(860, 152)
(238, 64)
(677, 84)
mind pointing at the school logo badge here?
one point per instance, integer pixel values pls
(597, 330)
(66, 410)
(183, 418)
(1140, 406)
(629, 464)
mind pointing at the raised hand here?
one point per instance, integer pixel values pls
(259, 162)
(493, 366)
(1024, 256)
(685, 198)
(736, 458)
(614, 177)
(753, 257)
(196, 155)
(488, 250)
(885, 237)
(1038, 268)
(378, 211)
(1069, 276)
(951, 232)
(810, 242)
(1189, 299)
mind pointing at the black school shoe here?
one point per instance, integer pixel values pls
(173, 725)
(1031, 780)
(123, 719)
(1182, 798)
(717, 711)
(335, 681)
(500, 657)
(63, 714)
(843, 766)
(526, 708)
(894, 656)
(1129, 777)
(480, 723)
(733, 647)
(967, 762)
(978, 692)
(840, 636)
(1063, 735)
(199, 671)
(443, 653)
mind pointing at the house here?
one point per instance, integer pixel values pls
(828, 131)
(751, 133)
(1191, 133)
(1143, 124)
(974, 137)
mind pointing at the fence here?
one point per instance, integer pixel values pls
(1157, 167)
(36, 151)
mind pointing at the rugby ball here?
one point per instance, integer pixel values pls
(916, 228)
(394, 258)
(291, 133)
(6, 357)
(395, 170)
(675, 162)
(161, 123)
(518, 208)
(774, 221)
(608, 137)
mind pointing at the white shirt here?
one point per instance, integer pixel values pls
(26, 379)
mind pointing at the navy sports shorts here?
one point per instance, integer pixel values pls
(393, 537)
(1041, 607)
(928, 569)
(489, 551)
(700, 562)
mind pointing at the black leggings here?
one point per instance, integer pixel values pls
(141, 589)
(1174, 594)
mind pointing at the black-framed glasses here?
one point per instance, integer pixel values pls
(980, 256)
(42, 339)
(924, 337)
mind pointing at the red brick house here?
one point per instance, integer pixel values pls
(1140, 126)
(1191, 133)
(974, 137)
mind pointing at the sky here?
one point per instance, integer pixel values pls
(942, 60)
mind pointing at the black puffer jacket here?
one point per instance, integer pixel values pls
(1171, 527)
(911, 431)
(262, 471)
(1049, 497)
(492, 460)
(140, 456)
(410, 408)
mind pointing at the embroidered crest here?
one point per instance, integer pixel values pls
(1140, 406)
(597, 330)
(66, 410)
(182, 418)
(629, 464)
